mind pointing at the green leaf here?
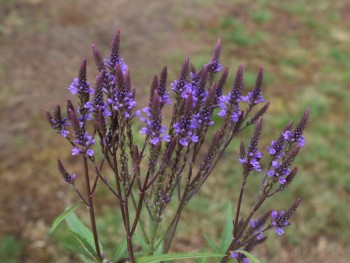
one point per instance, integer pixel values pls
(75, 246)
(121, 251)
(159, 250)
(227, 231)
(83, 235)
(63, 216)
(211, 244)
(90, 251)
(141, 241)
(249, 256)
(203, 260)
(167, 257)
(85, 259)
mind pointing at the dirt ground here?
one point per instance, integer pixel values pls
(41, 46)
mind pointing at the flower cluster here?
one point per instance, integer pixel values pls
(253, 155)
(255, 96)
(187, 125)
(171, 161)
(229, 104)
(280, 219)
(284, 150)
(154, 127)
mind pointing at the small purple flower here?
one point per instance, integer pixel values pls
(214, 67)
(70, 178)
(90, 152)
(80, 85)
(64, 133)
(294, 137)
(279, 221)
(255, 164)
(301, 141)
(275, 164)
(271, 150)
(154, 127)
(270, 172)
(279, 231)
(257, 225)
(242, 160)
(250, 98)
(227, 107)
(282, 180)
(287, 135)
(75, 151)
(181, 89)
(234, 255)
(74, 86)
(74, 176)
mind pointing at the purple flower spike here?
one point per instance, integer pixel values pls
(280, 219)
(180, 86)
(154, 127)
(214, 64)
(255, 96)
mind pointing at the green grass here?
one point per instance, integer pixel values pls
(10, 249)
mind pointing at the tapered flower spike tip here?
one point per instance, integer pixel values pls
(259, 78)
(70, 106)
(155, 104)
(239, 77)
(260, 113)
(291, 211)
(242, 150)
(119, 78)
(154, 85)
(185, 69)
(217, 51)
(98, 94)
(162, 81)
(222, 82)
(203, 79)
(49, 117)
(98, 58)
(82, 72)
(116, 45)
(290, 177)
(164, 74)
(127, 81)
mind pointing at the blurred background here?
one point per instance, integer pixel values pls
(304, 47)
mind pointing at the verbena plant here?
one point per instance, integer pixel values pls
(171, 164)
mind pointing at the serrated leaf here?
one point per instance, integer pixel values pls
(121, 251)
(141, 241)
(167, 257)
(82, 234)
(76, 247)
(227, 231)
(88, 248)
(249, 256)
(63, 216)
(211, 244)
